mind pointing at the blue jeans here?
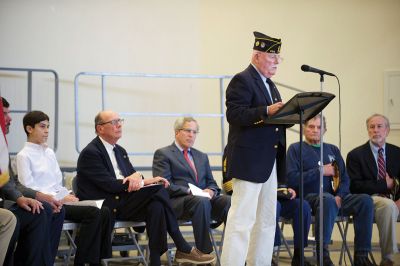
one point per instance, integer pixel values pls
(360, 206)
(290, 209)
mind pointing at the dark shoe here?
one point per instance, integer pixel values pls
(326, 261)
(362, 261)
(296, 261)
(195, 257)
(273, 262)
(386, 262)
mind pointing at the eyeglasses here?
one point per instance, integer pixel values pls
(188, 131)
(275, 57)
(114, 122)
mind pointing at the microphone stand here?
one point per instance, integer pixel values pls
(301, 107)
(301, 188)
(321, 187)
(321, 182)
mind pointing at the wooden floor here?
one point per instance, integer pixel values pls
(284, 258)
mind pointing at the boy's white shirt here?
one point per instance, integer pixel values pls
(38, 169)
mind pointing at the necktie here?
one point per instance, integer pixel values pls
(272, 91)
(381, 165)
(185, 154)
(120, 161)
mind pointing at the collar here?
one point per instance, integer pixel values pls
(264, 79)
(179, 147)
(107, 145)
(375, 148)
(317, 145)
(35, 146)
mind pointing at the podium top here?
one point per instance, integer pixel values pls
(309, 103)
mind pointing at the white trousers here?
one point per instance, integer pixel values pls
(250, 228)
(386, 213)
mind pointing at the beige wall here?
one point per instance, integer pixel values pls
(357, 40)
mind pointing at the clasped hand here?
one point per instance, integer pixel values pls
(155, 180)
(135, 181)
(329, 170)
(31, 205)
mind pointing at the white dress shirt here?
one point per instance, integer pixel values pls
(111, 154)
(38, 169)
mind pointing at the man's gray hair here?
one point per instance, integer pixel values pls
(182, 120)
(97, 120)
(387, 123)
(315, 117)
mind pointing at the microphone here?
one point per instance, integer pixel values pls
(307, 68)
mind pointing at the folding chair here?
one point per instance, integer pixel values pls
(133, 245)
(342, 222)
(374, 248)
(69, 229)
(284, 221)
(217, 245)
(214, 232)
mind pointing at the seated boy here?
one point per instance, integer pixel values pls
(38, 169)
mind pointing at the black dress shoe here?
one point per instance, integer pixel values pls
(326, 261)
(362, 261)
(296, 261)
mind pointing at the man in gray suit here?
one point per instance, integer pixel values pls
(183, 165)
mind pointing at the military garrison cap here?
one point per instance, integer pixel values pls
(267, 44)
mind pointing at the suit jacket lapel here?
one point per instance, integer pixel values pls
(260, 84)
(391, 160)
(276, 97)
(179, 157)
(370, 160)
(104, 152)
(196, 161)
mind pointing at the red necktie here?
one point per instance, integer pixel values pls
(185, 154)
(381, 165)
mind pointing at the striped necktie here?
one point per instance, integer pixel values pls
(381, 165)
(186, 155)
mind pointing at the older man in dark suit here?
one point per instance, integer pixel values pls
(182, 165)
(374, 169)
(105, 172)
(256, 156)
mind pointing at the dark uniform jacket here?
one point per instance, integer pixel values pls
(96, 177)
(363, 172)
(253, 145)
